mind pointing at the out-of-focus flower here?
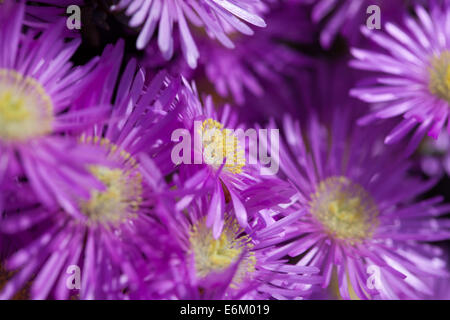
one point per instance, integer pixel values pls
(262, 60)
(219, 18)
(236, 264)
(362, 227)
(344, 17)
(413, 80)
(38, 87)
(115, 232)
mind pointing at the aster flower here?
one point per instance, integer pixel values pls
(413, 74)
(37, 86)
(362, 227)
(218, 18)
(220, 163)
(235, 265)
(114, 233)
(344, 17)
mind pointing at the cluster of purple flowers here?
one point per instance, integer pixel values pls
(93, 205)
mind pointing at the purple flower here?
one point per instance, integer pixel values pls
(237, 264)
(413, 73)
(37, 93)
(362, 227)
(114, 232)
(219, 18)
(224, 167)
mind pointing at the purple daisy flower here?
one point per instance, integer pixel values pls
(220, 163)
(413, 80)
(219, 18)
(344, 17)
(235, 265)
(116, 237)
(362, 227)
(37, 85)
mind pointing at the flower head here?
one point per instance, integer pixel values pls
(37, 85)
(114, 233)
(237, 264)
(221, 162)
(413, 74)
(362, 227)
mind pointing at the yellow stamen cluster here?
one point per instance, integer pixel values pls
(219, 144)
(26, 110)
(439, 84)
(122, 196)
(344, 209)
(215, 255)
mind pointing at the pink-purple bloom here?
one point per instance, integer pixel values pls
(360, 218)
(238, 264)
(412, 67)
(37, 82)
(150, 165)
(225, 178)
(114, 232)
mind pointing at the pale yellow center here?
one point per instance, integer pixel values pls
(221, 145)
(439, 84)
(122, 196)
(344, 209)
(26, 110)
(216, 255)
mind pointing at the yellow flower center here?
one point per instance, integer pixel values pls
(440, 76)
(221, 144)
(344, 209)
(26, 110)
(122, 196)
(216, 255)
